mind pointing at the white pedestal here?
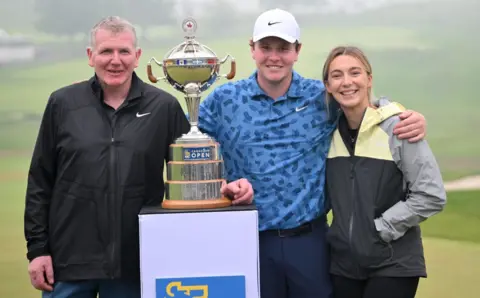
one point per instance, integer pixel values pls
(199, 253)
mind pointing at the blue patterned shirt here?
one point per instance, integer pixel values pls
(279, 145)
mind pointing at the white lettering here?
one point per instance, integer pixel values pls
(200, 155)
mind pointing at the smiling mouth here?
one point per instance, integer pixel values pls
(115, 71)
(273, 67)
(349, 92)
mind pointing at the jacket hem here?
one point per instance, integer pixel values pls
(398, 273)
(81, 272)
(380, 273)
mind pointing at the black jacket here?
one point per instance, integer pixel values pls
(380, 189)
(91, 173)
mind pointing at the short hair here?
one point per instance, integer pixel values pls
(296, 43)
(113, 24)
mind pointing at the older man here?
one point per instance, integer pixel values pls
(98, 160)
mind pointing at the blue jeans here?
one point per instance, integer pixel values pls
(92, 288)
(296, 266)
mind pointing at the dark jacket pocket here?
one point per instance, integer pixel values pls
(73, 230)
(367, 246)
(337, 235)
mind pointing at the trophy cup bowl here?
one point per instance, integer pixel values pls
(195, 170)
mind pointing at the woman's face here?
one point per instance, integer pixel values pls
(349, 82)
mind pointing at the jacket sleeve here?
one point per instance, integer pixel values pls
(426, 195)
(40, 182)
(178, 124)
(384, 101)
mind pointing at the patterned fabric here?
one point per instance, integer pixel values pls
(280, 145)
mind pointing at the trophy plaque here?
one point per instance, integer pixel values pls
(195, 170)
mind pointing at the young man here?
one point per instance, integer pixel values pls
(98, 160)
(275, 132)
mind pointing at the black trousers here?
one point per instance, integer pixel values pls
(375, 287)
(295, 266)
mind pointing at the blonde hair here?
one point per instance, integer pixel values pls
(350, 51)
(113, 24)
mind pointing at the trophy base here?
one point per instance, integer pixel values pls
(196, 204)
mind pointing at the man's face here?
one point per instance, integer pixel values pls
(274, 58)
(114, 57)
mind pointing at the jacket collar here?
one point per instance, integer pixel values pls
(376, 116)
(372, 116)
(136, 89)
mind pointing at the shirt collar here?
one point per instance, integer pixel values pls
(294, 90)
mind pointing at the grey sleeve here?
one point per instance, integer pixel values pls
(381, 101)
(426, 195)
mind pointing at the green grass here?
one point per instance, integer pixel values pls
(460, 219)
(18, 136)
(453, 268)
(14, 276)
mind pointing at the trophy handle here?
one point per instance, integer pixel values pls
(151, 77)
(233, 67)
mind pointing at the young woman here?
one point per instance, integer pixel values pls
(380, 188)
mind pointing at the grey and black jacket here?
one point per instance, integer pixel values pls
(380, 188)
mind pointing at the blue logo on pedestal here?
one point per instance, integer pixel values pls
(201, 287)
(198, 153)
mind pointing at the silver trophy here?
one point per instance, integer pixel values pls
(195, 172)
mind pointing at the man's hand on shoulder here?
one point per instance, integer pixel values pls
(412, 126)
(239, 191)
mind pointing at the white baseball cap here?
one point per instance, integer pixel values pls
(276, 22)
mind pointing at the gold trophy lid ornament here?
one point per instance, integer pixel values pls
(195, 169)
